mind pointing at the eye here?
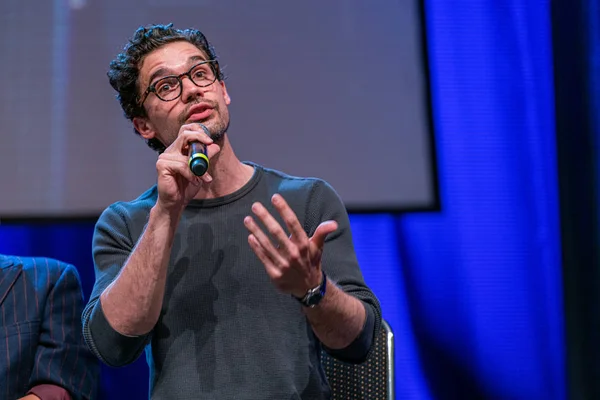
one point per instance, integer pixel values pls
(166, 85)
(199, 73)
(163, 88)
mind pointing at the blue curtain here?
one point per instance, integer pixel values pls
(483, 279)
(577, 86)
(592, 15)
(473, 293)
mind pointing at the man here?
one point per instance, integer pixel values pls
(41, 341)
(227, 312)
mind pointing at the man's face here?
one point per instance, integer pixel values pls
(207, 105)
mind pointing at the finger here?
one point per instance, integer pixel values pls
(197, 127)
(272, 270)
(274, 229)
(290, 219)
(324, 229)
(187, 134)
(212, 150)
(264, 241)
(173, 157)
(184, 159)
(171, 166)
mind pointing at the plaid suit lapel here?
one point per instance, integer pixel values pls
(9, 272)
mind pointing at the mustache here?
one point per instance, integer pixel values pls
(212, 104)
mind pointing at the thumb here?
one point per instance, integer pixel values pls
(324, 229)
(212, 149)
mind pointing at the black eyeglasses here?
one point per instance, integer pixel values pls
(170, 87)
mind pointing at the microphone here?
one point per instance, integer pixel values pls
(198, 160)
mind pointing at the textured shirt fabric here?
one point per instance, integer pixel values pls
(225, 331)
(41, 340)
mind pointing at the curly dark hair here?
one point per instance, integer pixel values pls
(123, 73)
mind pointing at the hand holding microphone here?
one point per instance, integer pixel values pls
(198, 159)
(179, 178)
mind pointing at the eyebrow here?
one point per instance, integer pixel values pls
(166, 71)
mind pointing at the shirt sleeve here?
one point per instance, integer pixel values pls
(111, 245)
(341, 265)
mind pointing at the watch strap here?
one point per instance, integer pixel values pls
(315, 295)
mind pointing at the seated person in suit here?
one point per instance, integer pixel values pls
(41, 341)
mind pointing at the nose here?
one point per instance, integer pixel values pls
(189, 91)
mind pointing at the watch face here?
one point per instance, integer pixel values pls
(314, 298)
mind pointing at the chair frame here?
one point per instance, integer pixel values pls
(390, 360)
(388, 344)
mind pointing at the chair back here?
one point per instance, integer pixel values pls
(372, 379)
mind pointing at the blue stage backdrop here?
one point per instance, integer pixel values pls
(473, 293)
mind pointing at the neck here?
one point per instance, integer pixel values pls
(228, 172)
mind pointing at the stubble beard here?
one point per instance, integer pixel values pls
(217, 127)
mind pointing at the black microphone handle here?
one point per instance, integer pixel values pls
(198, 161)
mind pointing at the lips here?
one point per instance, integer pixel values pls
(199, 113)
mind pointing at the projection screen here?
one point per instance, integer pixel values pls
(332, 89)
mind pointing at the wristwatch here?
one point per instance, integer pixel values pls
(314, 295)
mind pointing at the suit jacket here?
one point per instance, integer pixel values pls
(41, 337)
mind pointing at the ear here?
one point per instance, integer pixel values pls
(225, 94)
(144, 127)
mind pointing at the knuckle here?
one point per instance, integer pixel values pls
(161, 162)
(294, 254)
(276, 276)
(302, 246)
(285, 266)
